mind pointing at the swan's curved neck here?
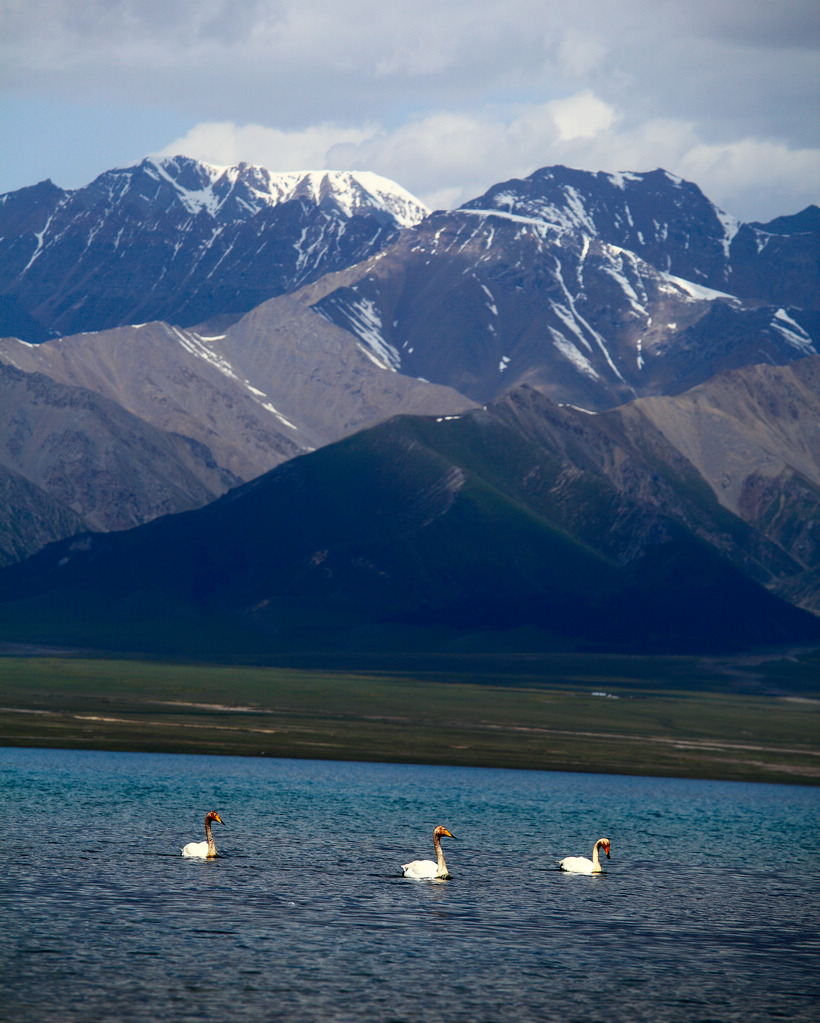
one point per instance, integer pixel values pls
(442, 866)
(596, 863)
(212, 844)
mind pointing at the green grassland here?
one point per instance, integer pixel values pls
(744, 719)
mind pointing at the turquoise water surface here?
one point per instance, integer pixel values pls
(708, 910)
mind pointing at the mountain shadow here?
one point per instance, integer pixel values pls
(522, 523)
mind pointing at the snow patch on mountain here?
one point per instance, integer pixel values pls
(491, 306)
(516, 218)
(254, 187)
(364, 320)
(579, 325)
(570, 352)
(620, 266)
(699, 292)
(791, 331)
(195, 344)
(282, 419)
(731, 225)
(39, 235)
(620, 178)
(194, 200)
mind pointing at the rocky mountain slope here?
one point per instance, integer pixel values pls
(121, 426)
(689, 338)
(31, 518)
(735, 460)
(670, 224)
(107, 466)
(595, 289)
(754, 436)
(525, 523)
(178, 240)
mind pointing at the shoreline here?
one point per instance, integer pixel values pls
(489, 746)
(606, 723)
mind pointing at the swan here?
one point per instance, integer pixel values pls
(207, 849)
(581, 865)
(427, 869)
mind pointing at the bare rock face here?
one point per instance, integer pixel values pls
(519, 519)
(122, 426)
(32, 518)
(179, 240)
(108, 467)
(594, 288)
(754, 436)
(610, 353)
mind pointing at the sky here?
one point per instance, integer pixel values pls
(445, 97)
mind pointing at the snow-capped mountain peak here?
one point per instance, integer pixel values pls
(204, 187)
(618, 283)
(187, 240)
(655, 214)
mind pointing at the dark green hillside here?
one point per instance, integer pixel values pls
(421, 533)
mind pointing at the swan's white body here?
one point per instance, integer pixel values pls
(207, 849)
(196, 849)
(430, 870)
(581, 865)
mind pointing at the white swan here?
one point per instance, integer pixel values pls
(581, 865)
(207, 849)
(427, 869)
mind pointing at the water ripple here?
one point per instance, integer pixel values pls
(707, 910)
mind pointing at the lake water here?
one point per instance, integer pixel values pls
(709, 908)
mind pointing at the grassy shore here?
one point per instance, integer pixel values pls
(753, 720)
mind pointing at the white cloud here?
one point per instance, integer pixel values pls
(225, 144)
(582, 116)
(740, 172)
(446, 158)
(578, 54)
(446, 98)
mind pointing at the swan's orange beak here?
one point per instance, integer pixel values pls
(220, 821)
(447, 833)
(606, 850)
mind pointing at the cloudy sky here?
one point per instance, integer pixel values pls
(444, 96)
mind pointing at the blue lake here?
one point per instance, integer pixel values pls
(708, 910)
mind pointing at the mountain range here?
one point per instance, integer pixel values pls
(121, 426)
(594, 288)
(584, 408)
(182, 241)
(527, 521)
